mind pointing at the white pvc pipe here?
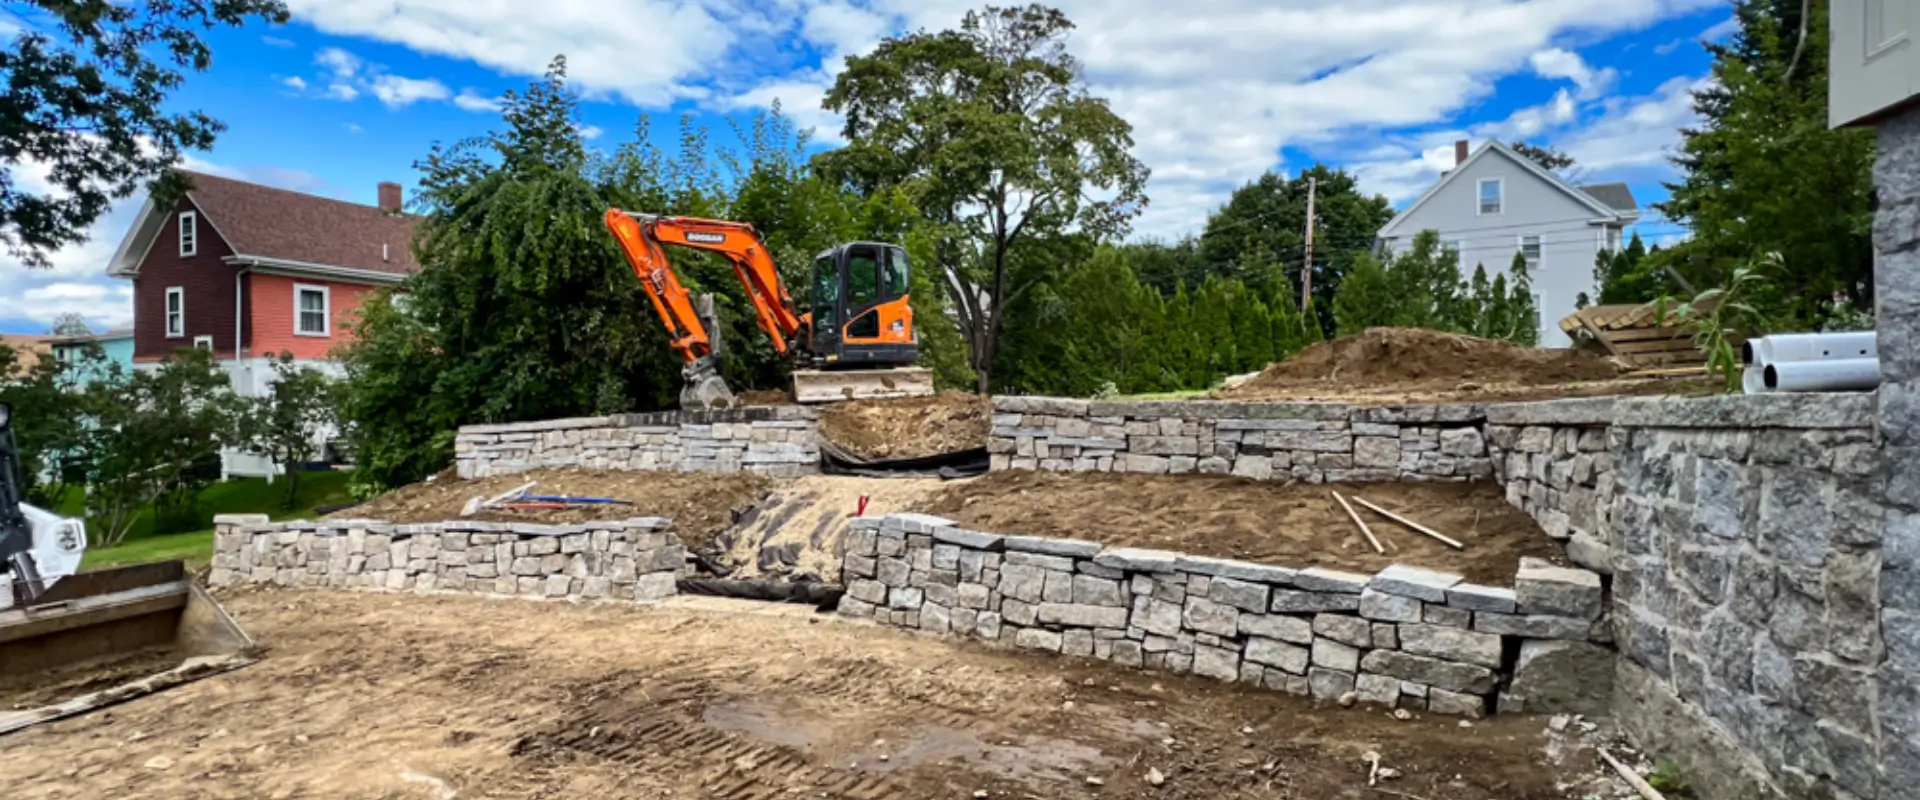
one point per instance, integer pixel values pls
(1753, 379)
(1786, 347)
(1823, 376)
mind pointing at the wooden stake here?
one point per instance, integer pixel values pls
(1632, 778)
(1410, 523)
(1364, 530)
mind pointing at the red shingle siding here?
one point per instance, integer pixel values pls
(208, 285)
(271, 307)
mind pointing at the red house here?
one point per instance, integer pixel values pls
(251, 271)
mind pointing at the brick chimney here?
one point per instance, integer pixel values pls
(1460, 152)
(390, 197)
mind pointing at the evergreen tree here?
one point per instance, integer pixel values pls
(1426, 279)
(1368, 298)
(1499, 310)
(1521, 309)
(1480, 293)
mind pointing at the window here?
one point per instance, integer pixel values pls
(203, 343)
(1613, 239)
(1453, 248)
(826, 296)
(176, 312)
(310, 310)
(863, 276)
(1491, 196)
(189, 233)
(1530, 245)
(897, 280)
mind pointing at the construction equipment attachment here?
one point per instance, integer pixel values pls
(104, 637)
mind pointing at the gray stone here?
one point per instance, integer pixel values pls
(973, 595)
(1058, 587)
(894, 572)
(1430, 671)
(1304, 602)
(1796, 524)
(934, 618)
(1482, 598)
(1589, 551)
(1557, 591)
(1276, 626)
(1386, 636)
(1447, 615)
(654, 586)
(1218, 663)
(1455, 704)
(1832, 690)
(1377, 689)
(1344, 629)
(905, 598)
(1090, 590)
(1160, 617)
(1206, 616)
(1374, 451)
(1076, 643)
(1852, 583)
(1127, 653)
(1018, 612)
(873, 592)
(1082, 616)
(1462, 442)
(1317, 579)
(1038, 639)
(1253, 467)
(1561, 677)
(1238, 570)
(1533, 627)
(1414, 582)
(1289, 657)
(987, 625)
(1022, 582)
(1072, 548)
(1334, 655)
(975, 540)
(1329, 684)
(1239, 594)
(1389, 608)
(1720, 500)
(1451, 644)
(1135, 559)
(1046, 562)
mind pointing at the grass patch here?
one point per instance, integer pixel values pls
(238, 496)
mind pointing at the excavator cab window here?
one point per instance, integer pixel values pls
(863, 275)
(826, 295)
(897, 277)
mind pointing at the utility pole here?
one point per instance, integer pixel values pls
(1306, 269)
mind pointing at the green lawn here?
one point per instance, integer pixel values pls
(239, 496)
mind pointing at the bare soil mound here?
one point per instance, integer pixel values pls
(909, 427)
(1422, 364)
(1290, 525)
(700, 505)
(764, 397)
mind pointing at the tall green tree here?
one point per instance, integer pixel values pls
(991, 130)
(88, 83)
(1265, 223)
(1548, 158)
(1521, 311)
(1367, 298)
(1764, 174)
(283, 422)
(1426, 283)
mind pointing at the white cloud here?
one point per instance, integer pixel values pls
(337, 61)
(295, 83)
(1721, 29)
(395, 91)
(275, 41)
(1559, 63)
(352, 128)
(590, 132)
(470, 100)
(340, 91)
(1637, 133)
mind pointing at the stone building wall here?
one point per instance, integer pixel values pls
(1752, 594)
(1403, 637)
(1264, 441)
(779, 441)
(635, 559)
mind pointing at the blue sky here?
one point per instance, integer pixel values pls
(352, 92)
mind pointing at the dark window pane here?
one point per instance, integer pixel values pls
(863, 276)
(865, 326)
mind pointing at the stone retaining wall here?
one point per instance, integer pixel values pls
(1553, 459)
(1403, 637)
(779, 441)
(635, 559)
(1263, 441)
(1755, 564)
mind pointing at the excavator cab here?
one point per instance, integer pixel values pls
(860, 313)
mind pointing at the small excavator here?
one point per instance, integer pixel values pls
(857, 342)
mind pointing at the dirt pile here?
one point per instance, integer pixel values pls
(1420, 364)
(700, 505)
(909, 427)
(796, 529)
(1291, 525)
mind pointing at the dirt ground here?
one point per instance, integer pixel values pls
(1291, 524)
(909, 427)
(796, 529)
(701, 505)
(1394, 365)
(404, 697)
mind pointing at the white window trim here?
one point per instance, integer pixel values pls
(203, 342)
(1520, 243)
(166, 312)
(326, 310)
(1479, 205)
(189, 224)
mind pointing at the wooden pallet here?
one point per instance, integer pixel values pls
(1641, 336)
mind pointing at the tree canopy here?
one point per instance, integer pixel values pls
(1262, 228)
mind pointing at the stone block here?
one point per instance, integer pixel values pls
(1253, 467)
(986, 625)
(1292, 658)
(1019, 613)
(1428, 585)
(935, 618)
(1089, 590)
(1532, 627)
(1243, 595)
(1344, 629)
(1377, 689)
(1456, 704)
(1317, 579)
(1037, 639)
(1293, 601)
(1451, 644)
(654, 586)
(1219, 663)
(1334, 655)
(1238, 570)
(1386, 636)
(905, 598)
(941, 594)
(1329, 684)
(1832, 690)
(1277, 626)
(1464, 442)
(1376, 452)
(1022, 582)
(1071, 548)
(871, 592)
(893, 571)
(1389, 608)
(1206, 616)
(1433, 672)
(1048, 562)
(1133, 559)
(1563, 677)
(1076, 643)
(1448, 616)
(1159, 616)
(1058, 587)
(1590, 552)
(1082, 616)
(1544, 589)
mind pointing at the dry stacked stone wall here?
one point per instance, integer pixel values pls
(1554, 461)
(636, 559)
(1403, 637)
(778, 441)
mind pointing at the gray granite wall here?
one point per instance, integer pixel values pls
(1403, 637)
(635, 559)
(1553, 460)
(1751, 549)
(779, 441)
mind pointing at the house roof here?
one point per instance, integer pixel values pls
(1615, 195)
(1602, 209)
(285, 228)
(27, 348)
(82, 338)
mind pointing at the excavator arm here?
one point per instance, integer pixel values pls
(642, 236)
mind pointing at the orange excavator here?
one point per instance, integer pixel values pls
(857, 342)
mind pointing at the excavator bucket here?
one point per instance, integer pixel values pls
(831, 386)
(99, 638)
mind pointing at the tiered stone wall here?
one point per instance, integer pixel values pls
(635, 559)
(1403, 637)
(1755, 566)
(1553, 459)
(779, 441)
(1263, 441)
